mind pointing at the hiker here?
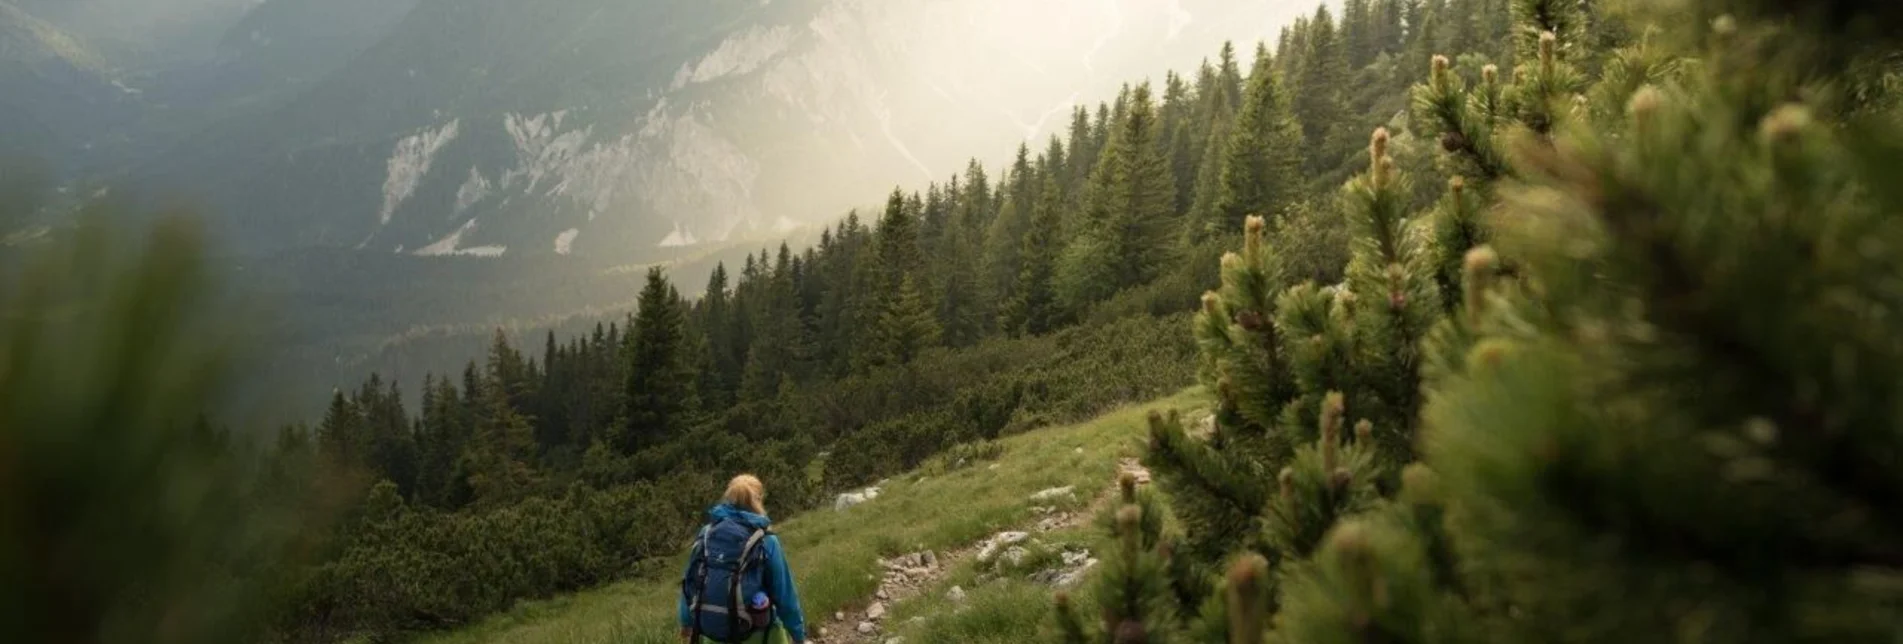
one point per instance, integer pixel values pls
(737, 587)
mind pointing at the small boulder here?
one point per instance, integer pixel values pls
(839, 616)
(956, 594)
(1014, 555)
(1075, 575)
(931, 559)
(881, 594)
(850, 499)
(876, 611)
(1055, 493)
(998, 542)
(867, 628)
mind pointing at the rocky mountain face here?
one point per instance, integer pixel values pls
(484, 127)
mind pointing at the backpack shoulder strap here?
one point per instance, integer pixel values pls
(697, 568)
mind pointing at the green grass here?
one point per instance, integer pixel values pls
(834, 555)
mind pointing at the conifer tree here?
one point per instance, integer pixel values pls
(1391, 275)
(440, 481)
(1179, 145)
(659, 392)
(1218, 116)
(1626, 437)
(906, 328)
(1261, 169)
(1134, 586)
(1082, 150)
(343, 435)
(1229, 75)
(721, 377)
(1004, 241)
(962, 303)
(1221, 483)
(1358, 33)
(1323, 75)
(1715, 412)
(1033, 308)
(498, 462)
(1128, 214)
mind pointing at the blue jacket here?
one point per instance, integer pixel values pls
(786, 599)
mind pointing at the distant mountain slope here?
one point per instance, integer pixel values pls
(497, 126)
(51, 85)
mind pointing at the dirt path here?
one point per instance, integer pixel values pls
(910, 575)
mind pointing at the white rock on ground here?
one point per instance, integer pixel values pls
(1135, 468)
(1014, 555)
(1055, 493)
(867, 628)
(998, 542)
(1075, 575)
(956, 594)
(875, 611)
(850, 499)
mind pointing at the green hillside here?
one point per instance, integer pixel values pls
(835, 554)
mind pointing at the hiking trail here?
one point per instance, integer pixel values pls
(910, 575)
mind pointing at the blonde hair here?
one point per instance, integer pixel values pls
(747, 493)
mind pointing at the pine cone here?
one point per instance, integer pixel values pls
(1453, 142)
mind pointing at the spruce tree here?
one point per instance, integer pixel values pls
(1229, 75)
(498, 461)
(1358, 32)
(1033, 308)
(1261, 170)
(961, 300)
(1218, 116)
(1179, 145)
(1127, 218)
(660, 385)
(715, 319)
(1320, 82)
(905, 328)
(1003, 257)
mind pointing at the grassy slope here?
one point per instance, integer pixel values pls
(834, 554)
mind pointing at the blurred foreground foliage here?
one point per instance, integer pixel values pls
(125, 515)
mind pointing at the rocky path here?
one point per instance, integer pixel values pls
(910, 575)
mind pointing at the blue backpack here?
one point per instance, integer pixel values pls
(727, 569)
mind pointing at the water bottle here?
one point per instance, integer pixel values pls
(757, 611)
